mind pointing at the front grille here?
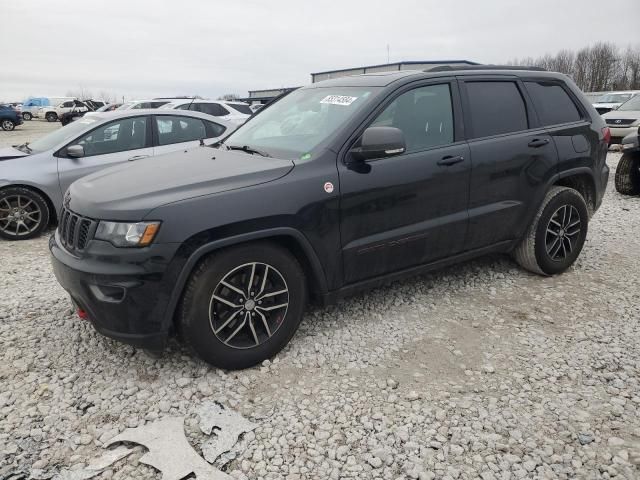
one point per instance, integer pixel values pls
(620, 122)
(74, 230)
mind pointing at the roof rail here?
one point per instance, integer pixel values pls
(448, 68)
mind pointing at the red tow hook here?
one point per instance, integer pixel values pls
(83, 314)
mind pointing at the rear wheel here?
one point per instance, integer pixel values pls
(8, 125)
(628, 174)
(51, 117)
(27, 116)
(557, 234)
(243, 304)
(24, 213)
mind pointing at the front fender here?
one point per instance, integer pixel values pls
(194, 255)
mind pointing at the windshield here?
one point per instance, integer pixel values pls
(633, 104)
(61, 135)
(614, 98)
(294, 126)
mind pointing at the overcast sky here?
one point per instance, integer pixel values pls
(144, 48)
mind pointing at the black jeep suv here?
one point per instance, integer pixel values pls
(337, 187)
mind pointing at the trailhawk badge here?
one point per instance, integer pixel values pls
(328, 187)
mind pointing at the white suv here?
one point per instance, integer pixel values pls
(234, 112)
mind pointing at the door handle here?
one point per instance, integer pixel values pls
(137, 157)
(450, 160)
(538, 142)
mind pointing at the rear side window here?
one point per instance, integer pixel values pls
(179, 129)
(553, 103)
(214, 109)
(241, 108)
(496, 108)
(214, 129)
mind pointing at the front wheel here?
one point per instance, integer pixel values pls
(628, 174)
(24, 213)
(51, 117)
(8, 125)
(242, 305)
(557, 234)
(27, 116)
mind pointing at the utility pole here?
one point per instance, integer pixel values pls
(388, 61)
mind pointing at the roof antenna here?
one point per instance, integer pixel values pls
(191, 102)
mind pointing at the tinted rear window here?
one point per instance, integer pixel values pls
(553, 103)
(496, 108)
(241, 108)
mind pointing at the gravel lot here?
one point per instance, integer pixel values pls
(480, 370)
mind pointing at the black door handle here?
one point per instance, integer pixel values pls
(450, 160)
(538, 142)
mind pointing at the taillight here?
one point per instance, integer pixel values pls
(83, 314)
(606, 134)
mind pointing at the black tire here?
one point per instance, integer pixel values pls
(51, 117)
(267, 329)
(628, 174)
(550, 230)
(7, 125)
(27, 116)
(33, 210)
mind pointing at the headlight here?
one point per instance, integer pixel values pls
(122, 234)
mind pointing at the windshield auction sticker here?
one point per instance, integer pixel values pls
(338, 100)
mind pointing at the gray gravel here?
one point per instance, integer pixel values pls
(478, 371)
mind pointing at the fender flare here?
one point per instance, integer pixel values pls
(317, 271)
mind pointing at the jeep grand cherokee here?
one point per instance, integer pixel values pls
(337, 187)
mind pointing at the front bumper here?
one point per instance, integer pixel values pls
(618, 133)
(123, 291)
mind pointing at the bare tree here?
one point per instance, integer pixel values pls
(80, 93)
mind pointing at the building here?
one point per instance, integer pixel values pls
(265, 96)
(387, 67)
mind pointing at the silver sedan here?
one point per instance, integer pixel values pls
(34, 176)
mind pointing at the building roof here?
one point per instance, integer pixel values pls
(412, 62)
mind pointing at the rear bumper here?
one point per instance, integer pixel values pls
(618, 133)
(123, 293)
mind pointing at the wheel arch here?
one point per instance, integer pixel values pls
(53, 214)
(289, 238)
(582, 180)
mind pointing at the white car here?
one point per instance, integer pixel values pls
(612, 100)
(624, 120)
(234, 112)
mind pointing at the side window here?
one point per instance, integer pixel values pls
(553, 103)
(67, 104)
(184, 107)
(118, 136)
(214, 109)
(496, 108)
(214, 129)
(179, 129)
(156, 104)
(425, 116)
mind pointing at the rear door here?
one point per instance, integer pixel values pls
(122, 140)
(512, 158)
(177, 132)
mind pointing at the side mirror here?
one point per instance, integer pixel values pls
(379, 142)
(75, 151)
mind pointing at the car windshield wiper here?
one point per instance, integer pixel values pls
(248, 149)
(25, 148)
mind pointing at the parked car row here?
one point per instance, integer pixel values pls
(613, 100)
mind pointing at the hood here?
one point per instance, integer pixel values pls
(622, 114)
(9, 152)
(132, 189)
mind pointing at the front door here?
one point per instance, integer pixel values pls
(122, 140)
(409, 209)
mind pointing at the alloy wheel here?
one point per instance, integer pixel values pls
(7, 125)
(19, 215)
(248, 305)
(563, 232)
